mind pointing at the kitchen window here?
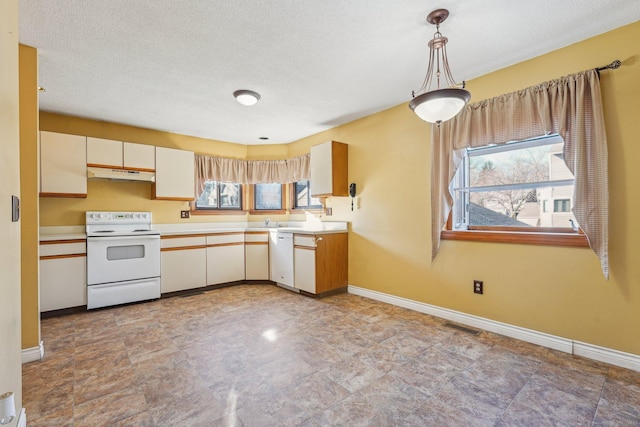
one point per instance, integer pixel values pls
(220, 196)
(502, 192)
(267, 198)
(301, 197)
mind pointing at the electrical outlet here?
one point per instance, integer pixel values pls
(184, 214)
(477, 287)
(328, 211)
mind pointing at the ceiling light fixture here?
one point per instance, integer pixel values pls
(246, 97)
(439, 105)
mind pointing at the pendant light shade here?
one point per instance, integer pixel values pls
(439, 104)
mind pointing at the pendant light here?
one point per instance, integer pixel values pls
(440, 104)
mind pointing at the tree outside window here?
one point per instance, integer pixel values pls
(510, 185)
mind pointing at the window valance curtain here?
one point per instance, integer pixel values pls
(570, 106)
(250, 171)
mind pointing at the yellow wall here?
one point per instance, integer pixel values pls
(556, 290)
(29, 195)
(10, 356)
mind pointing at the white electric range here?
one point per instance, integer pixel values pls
(123, 258)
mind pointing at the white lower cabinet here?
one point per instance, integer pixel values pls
(256, 254)
(184, 263)
(63, 283)
(63, 275)
(304, 268)
(225, 258)
(320, 262)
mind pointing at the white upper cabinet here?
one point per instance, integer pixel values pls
(107, 153)
(175, 175)
(139, 157)
(63, 165)
(104, 153)
(329, 162)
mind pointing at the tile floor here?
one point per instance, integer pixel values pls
(258, 355)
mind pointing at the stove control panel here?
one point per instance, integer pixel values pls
(118, 217)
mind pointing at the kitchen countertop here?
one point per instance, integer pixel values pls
(296, 230)
(55, 237)
(75, 232)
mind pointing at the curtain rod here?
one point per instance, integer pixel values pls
(613, 66)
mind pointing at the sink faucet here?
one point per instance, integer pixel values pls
(266, 222)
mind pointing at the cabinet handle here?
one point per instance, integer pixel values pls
(316, 241)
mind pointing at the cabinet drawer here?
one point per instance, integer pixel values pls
(222, 238)
(256, 236)
(167, 242)
(304, 240)
(54, 248)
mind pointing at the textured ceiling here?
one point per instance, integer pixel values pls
(173, 65)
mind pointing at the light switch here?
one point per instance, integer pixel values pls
(15, 208)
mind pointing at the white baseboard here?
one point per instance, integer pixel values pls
(22, 419)
(32, 354)
(602, 354)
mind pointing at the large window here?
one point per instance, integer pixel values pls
(302, 196)
(511, 187)
(220, 196)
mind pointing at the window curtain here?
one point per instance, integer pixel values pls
(250, 171)
(570, 106)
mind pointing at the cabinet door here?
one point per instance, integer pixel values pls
(139, 157)
(305, 269)
(63, 283)
(225, 263)
(63, 165)
(183, 269)
(104, 152)
(175, 175)
(328, 169)
(256, 260)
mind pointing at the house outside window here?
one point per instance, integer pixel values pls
(302, 196)
(510, 186)
(220, 196)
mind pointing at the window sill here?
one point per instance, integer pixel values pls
(577, 240)
(268, 212)
(218, 212)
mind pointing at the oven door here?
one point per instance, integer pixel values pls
(121, 258)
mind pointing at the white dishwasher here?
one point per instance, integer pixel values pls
(281, 257)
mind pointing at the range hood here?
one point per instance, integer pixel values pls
(120, 174)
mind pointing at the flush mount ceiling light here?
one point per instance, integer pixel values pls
(246, 97)
(439, 104)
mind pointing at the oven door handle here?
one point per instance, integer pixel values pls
(120, 238)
